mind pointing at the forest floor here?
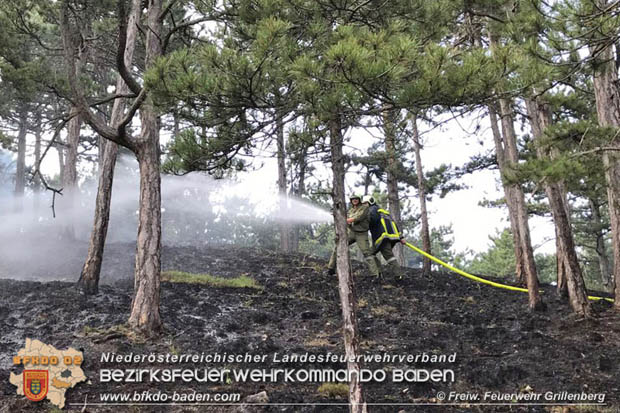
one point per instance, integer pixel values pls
(499, 347)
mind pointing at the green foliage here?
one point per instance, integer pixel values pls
(546, 267)
(190, 151)
(442, 241)
(592, 231)
(24, 64)
(499, 260)
(317, 240)
(442, 180)
(5, 141)
(315, 59)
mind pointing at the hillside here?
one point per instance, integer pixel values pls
(500, 347)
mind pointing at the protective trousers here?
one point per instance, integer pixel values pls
(361, 239)
(393, 269)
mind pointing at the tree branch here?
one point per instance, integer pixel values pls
(95, 121)
(181, 26)
(166, 10)
(112, 97)
(37, 170)
(133, 85)
(131, 112)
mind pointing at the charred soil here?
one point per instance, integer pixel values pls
(499, 346)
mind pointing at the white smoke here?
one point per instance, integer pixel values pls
(196, 210)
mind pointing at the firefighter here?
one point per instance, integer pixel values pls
(357, 220)
(384, 233)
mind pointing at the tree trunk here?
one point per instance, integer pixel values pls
(534, 300)
(299, 192)
(60, 150)
(108, 152)
(601, 248)
(145, 305)
(285, 227)
(426, 234)
(500, 155)
(37, 159)
(540, 119)
(91, 270)
(607, 97)
(574, 278)
(389, 129)
(20, 171)
(516, 198)
(562, 287)
(69, 177)
(343, 265)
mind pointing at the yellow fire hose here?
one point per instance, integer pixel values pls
(482, 280)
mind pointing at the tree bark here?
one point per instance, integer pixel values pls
(426, 234)
(389, 129)
(88, 282)
(500, 155)
(562, 287)
(20, 171)
(601, 248)
(540, 119)
(108, 152)
(60, 150)
(607, 97)
(37, 159)
(299, 192)
(145, 305)
(69, 177)
(508, 158)
(285, 227)
(343, 266)
(577, 295)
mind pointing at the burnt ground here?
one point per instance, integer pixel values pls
(500, 347)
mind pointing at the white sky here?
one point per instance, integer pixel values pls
(472, 224)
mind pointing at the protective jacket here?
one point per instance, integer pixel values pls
(382, 227)
(358, 233)
(359, 214)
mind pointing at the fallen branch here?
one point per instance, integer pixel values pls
(37, 170)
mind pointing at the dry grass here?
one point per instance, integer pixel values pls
(243, 281)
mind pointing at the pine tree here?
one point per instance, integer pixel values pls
(21, 67)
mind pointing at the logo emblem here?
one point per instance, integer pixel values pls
(36, 384)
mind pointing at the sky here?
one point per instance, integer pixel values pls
(472, 223)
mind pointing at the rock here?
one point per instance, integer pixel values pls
(251, 401)
(258, 398)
